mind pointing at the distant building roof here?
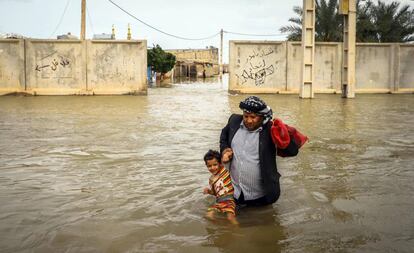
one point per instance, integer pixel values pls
(11, 36)
(103, 36)
(68, 36)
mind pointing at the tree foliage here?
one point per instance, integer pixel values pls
(379, 22)
(328, 23)
(392, 22)
(159, 60)
(294, 30)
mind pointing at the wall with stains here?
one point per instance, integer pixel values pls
(55, 67)
(12, 76)
(373, 67)
(258, 66)
(294, 64)
(387, 67)
(275, 67)
(328, 64)
(405, 79)
(73, 67)
(117, 67)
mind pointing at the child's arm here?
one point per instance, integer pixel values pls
(207, 190)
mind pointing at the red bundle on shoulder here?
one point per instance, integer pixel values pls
(281, 134)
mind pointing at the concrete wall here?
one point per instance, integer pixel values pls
(258, 66)
(294, 64)
(328, 63)
(55, 67)
(405, 79)
(373, 68)
(328, 60)
(73, 67)
(117, 67)
(379, 67)
(12, 76)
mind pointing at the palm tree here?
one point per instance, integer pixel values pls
(375, 23)
(328, 24)
(295, 29)
(392, 23)
(365, 28)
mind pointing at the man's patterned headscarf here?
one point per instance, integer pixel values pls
(256, 105)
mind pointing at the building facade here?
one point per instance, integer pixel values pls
(195, 62)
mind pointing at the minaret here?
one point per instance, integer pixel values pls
(113, 33)
(129, 33)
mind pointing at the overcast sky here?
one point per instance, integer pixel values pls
(185, 18)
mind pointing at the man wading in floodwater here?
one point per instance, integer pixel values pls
(251, 142)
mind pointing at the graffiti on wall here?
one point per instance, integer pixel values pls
(52, 62)
(256, 67)
(54, 65)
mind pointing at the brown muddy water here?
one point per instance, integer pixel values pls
(125, 174)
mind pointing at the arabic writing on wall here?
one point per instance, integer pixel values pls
(256, 66)
(54, 65)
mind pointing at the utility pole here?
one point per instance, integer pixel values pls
(83, 20)
(221, 54)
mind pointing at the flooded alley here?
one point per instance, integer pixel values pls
(126, 174)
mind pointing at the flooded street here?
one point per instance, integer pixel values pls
(126, 174)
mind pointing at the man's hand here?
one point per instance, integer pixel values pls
(227, 155)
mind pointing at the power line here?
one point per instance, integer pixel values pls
(61, 18)
(169, 34)
(90, 20)
(250, 34)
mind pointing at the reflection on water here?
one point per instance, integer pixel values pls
(125, 174)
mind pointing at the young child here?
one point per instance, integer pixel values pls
(220, 187)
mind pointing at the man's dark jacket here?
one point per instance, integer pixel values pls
(267, 154)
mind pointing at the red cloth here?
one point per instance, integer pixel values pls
(281, 134)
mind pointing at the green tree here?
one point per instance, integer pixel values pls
(294, 30)
(159, 60)
(379, 22)
(392, 22)
(328, 24)
(365, 28)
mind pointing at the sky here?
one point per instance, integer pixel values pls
(184, 18)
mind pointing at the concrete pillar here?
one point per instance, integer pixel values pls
(308, 49)
(348, 9)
